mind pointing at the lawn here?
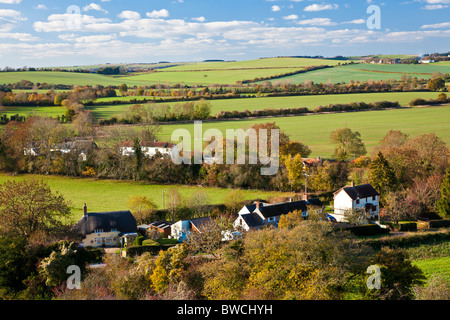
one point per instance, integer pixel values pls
(435, 266)
(112, 195)
(314, 130)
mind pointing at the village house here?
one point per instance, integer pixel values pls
(107, 229)
(149, 148)
(259, 215)
(362, 197)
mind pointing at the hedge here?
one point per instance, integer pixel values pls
(153, 250)
(445, 223)
(407, 226)
(367, 230)
(410, 240)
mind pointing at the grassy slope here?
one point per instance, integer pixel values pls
(111, 195)
(367, 72)
(315, 130)
(251, 104)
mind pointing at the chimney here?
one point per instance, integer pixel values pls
(353, 184)
(257, 204)
(85, 214)
(305, 197)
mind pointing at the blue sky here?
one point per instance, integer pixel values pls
(50, 32)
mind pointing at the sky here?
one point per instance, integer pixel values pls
(66, 33)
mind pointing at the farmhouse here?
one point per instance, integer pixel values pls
(107, 229)
(363, 197)
(83, 147)
(149, 148)
(260, 215)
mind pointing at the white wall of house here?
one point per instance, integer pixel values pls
(343, 202)
(180, 226)
(99, 239)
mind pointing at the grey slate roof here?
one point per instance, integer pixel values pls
(361, 192)
(122, 221)
(269, 211)
(252, 220)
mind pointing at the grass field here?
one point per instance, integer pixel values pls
(314, 130)
(435, 266)
(111, 195)
(367, 72)
(252, 104)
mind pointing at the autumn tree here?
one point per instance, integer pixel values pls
(436, 84)
(291, 219)
(349, 144)
(295, 169)
(30, 206)
(142, 208)
(233, 201)
(293, 148)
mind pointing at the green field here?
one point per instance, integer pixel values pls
(367, 72)
(435, 266)
(314, 130)
(261, 103)
(112, 195)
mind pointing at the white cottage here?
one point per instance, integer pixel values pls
(149, 148)
(356, 197)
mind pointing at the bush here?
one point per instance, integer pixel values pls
(407, 226)
(150, 242)
(445, 223)
(138, 241)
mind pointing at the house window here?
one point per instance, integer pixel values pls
(113, 230)
(374, 198)
(357, 201)
(98, 230)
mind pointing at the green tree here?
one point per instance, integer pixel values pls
(443, 204)
(349, 144)
(139, 158)
(398, 276)
(123, 89)
(13, 257)
(27, 207)
(233, 201)
(381, 175)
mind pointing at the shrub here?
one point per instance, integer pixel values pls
(445, 223)
(137, 251)
(417, 102)
(138, 241)
(150, 242)
(407, 226)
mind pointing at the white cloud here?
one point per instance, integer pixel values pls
(40, 7)
(276, 8)
(199, 19)
(291, 17)
(18, 36)
(10, 1)
(163, 13)
(436, 25)
(95, 7)
(317, 22)
(356, 21)
(127, 14)
(434, 7)
(321, 7)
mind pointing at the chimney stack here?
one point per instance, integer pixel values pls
(257, 204)
(305, 197)
(85, 210)
(353, 184)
